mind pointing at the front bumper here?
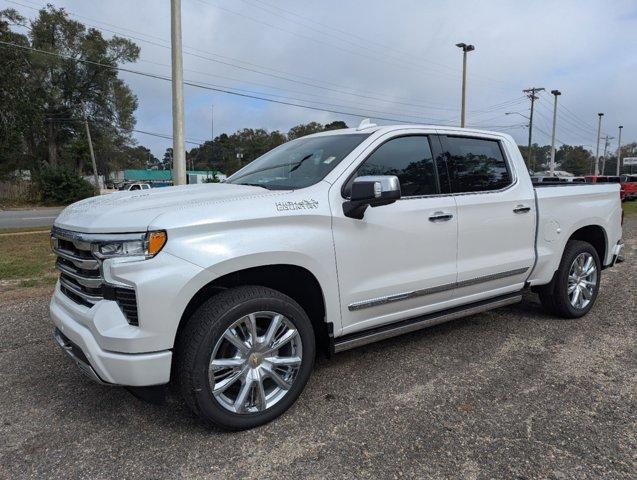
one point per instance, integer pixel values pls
(104, 366)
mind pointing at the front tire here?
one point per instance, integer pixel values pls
(575, 285)
(244, 357)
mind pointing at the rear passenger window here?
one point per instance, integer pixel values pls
(476, 165)
(410, 159)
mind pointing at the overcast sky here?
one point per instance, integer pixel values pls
(379, 58)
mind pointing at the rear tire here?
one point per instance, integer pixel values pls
(244, 357)
(575, 285)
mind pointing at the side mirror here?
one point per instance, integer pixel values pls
(371, 191)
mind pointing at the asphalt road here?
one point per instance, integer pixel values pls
(37, 217)
(512, 393)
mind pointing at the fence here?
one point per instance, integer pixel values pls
(16, 191)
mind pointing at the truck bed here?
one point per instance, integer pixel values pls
(560, 214)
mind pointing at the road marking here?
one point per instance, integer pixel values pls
(36, 218)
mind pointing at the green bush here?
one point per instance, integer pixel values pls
(61, 186)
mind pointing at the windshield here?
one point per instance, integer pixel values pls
(298, 163)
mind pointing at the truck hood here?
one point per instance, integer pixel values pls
(135, 211)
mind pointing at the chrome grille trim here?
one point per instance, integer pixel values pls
(79, 262)
(81, 277)
(93, 299)
(86, 281)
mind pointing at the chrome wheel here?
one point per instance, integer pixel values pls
(582, 280)
(255, 362)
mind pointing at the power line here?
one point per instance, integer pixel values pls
(374, 58)
(572, 119)
(144, 132)
(366, 42)
(568, 127)
(276, 75)
(200, 85)
(312, 83)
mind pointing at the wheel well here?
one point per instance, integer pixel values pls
(291, 280)
(595, 235)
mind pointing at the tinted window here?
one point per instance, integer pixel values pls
(476, 165)
(410, 159)
(135, 187)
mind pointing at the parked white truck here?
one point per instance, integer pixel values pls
(327, 242)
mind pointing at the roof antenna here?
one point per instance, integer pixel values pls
(366, 123)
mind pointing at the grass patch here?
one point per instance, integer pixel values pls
(27, 258)
(25, 230)
(630, 208)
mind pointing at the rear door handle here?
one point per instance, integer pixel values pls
(521, 209)
(440, 217)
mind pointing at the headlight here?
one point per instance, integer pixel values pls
(146, 245)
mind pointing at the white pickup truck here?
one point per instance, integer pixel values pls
(327, 242)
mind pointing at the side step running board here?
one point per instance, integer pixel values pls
(365, 337)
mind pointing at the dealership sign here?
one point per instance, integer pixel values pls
(629, 161)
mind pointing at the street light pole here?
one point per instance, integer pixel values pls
(555, 93)
(179, 149)
(465, 49)
(599, 132)
(619, 149)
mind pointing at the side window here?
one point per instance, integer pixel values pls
(135, 187)
(410, 159)
(476, 165)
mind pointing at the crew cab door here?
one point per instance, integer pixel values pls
(399, 260)
(496, 216)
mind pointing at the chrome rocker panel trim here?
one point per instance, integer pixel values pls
(383, 332)
(374, 302)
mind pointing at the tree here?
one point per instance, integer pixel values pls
(304, 129)
(45, 97)
(335, 125)
(541, 156)
(221, 154)
(574, 159)
(167, 161)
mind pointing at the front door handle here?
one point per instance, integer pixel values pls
(440, 217)
(521, 209)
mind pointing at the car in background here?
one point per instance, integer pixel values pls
(537, 179)
(628, 187)
(547, 179)
(602, 179)
(136, 186)
(575, 179)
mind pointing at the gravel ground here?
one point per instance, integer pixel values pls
(512, 393)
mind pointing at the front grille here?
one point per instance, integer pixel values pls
(81, 277)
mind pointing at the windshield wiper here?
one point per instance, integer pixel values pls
(253, 185)
(301, 162)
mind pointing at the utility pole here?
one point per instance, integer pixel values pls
(619, 149)
(212, 134)
(179, 149)
(599, 132)
(607, 140)
(530, 92)
(552, 167)
(465, 49)
(90, 148)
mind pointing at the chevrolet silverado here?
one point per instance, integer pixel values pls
(326, 243)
